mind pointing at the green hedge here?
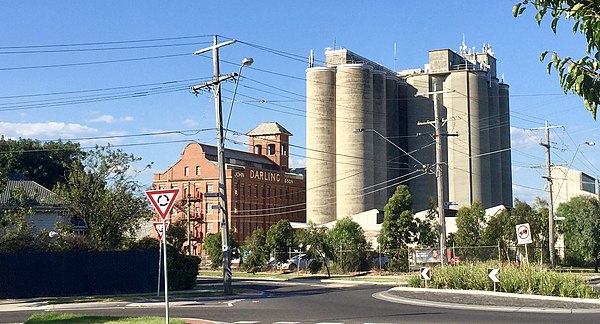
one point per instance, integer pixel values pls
(532, 279)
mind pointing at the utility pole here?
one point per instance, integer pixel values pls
(216, 86)
(437, 124)
(548, 177)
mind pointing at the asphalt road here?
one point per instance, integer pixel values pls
(307, 302)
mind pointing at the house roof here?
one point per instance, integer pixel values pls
(39, 195)
(269, 128)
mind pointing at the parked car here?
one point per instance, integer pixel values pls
(298, 261)
(379, 260)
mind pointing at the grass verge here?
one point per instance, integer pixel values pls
(57, 318)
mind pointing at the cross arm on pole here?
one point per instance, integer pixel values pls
(210, 48)
(198, 87)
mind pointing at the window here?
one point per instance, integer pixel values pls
(209, 187)
(270, 149)
(198, 170)
(257, 149)
(209, 227)
(283, 149)
(235, 188)
(186, 171)
(255, 190)
(209, 208)
(243, 189)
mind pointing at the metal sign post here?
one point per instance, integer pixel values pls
(163, 200)
(166, 274)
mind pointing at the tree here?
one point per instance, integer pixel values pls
(577, 75)
(102, 191)
(500, 228)
(280, 237)
(427, 233)
(45, 163)
(470, 222)
(581, 228)
(177, 235)
(318, 247)
(214, 248)
(398, 229)
(348, 238)
(257, 251)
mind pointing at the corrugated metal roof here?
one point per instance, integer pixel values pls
(39, 195)
(239, 156)
(269, 128)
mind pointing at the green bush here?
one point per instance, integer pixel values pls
(183, 270)
(530, 279)
(315, 266)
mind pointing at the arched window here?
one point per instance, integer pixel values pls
(270, 149)
(257, 149)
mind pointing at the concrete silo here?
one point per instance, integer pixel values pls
(380, 158)
(422, 148)
(495, 138)
(320, 145)
(505, 155)
(395, 160)
(354, 151)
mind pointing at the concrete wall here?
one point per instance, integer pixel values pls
(505, 155)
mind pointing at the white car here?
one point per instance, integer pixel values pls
(293, 264)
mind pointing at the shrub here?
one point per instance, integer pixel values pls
(183, 270)
(530, 279)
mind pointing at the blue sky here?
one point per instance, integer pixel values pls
(122, 84)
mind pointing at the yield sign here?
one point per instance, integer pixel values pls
(159, 227)
(425, 273)
(163, 200)
(493, 274)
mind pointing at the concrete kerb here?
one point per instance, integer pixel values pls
(386, 295)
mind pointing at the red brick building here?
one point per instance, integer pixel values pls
(261, 189)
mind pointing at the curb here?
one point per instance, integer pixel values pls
(501, 294)
(387, 296)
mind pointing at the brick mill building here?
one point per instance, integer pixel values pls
(261, 188)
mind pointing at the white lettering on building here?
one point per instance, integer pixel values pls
(265, 176)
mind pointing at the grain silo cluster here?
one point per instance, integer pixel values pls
(369, 129)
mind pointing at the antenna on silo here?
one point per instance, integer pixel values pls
(311, 59)
(334, 43)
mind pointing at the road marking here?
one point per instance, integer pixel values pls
(246, 322)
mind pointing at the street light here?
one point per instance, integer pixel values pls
(247, 61)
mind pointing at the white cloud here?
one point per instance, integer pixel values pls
(48, 130)
(523, 139)
(298, 163)
(109, 119)
(190, 123)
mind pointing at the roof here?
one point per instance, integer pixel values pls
(237, 155)
(39, 195)
(269, 128)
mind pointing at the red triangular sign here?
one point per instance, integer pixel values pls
(159, 228)
(163, 200)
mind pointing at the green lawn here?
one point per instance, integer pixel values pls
(87, 319)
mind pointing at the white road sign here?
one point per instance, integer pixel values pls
(523, 234)
(425, 273)
(493, 275)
